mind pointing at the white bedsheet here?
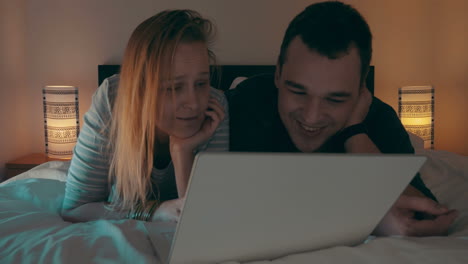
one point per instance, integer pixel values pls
(31, 231)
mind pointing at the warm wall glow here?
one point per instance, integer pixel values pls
(61, 120)
(416, 109)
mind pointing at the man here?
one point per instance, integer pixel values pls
(317, 102)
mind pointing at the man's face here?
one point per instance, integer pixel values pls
(316, 95)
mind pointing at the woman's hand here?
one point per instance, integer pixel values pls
(182, 149)
(214, 116)
(169, 211)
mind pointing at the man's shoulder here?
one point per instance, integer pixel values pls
(379, 105)
(386, 130)
(382, 113)
(252, 112)
(254, 98)
(252, 88)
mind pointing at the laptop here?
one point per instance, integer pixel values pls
(262, 206)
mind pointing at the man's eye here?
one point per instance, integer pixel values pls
(296, 92)
(331, 100)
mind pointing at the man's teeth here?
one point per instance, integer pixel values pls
(310, 129)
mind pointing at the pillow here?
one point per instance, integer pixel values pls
(417, 142)
(33, 193)
(54, 170)
(446, 175)
(237, 81)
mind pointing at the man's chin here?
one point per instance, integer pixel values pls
(305, 143)
(307, 147)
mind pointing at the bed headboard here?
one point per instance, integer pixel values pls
(223, 76)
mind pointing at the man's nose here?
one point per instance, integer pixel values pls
(312, 111)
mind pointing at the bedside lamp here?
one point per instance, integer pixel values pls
(416, 110)
(61, 120)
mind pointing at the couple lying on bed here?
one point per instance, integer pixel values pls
(136, 148)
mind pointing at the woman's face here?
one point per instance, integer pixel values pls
(186, 97)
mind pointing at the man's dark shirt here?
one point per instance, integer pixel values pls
(255, 125)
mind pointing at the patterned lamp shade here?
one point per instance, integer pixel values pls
(61, 120)
(416, 109)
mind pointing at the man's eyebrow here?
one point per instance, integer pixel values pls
(302, 87)
(294, 84)
(339, 94)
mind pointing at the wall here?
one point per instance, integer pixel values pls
(415, 43)
(14, 131)
(423, 42)
(68, 39)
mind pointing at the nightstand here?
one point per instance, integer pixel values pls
(25, 163)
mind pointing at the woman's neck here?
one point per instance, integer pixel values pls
(162, 155)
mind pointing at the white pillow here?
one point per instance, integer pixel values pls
(237, 81)
(53, 170)
(417, 142)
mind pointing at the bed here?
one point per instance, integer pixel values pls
(32, 231)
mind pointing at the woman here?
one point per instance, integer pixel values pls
(136, 148)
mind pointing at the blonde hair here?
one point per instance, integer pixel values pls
(147, 62)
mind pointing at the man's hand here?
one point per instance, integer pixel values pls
(169, 211)
(401, 218)
(361, 109)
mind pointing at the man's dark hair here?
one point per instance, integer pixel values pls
(330, 28)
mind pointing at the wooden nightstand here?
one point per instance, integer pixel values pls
(25, 163)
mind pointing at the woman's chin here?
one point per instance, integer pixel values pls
(185, 134)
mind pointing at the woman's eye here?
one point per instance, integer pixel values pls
(201, 84)
(175, 88)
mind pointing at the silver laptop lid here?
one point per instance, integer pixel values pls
(256, 206)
